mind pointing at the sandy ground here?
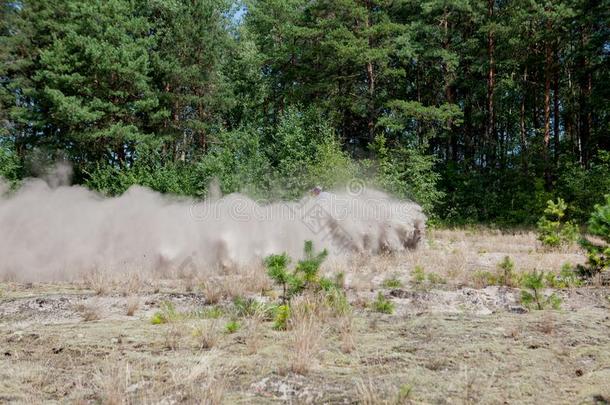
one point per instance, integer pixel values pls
(450, 340)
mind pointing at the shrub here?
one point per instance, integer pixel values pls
(507, 275)
(9, 164)
(282, 315)
(598, 254)
(484, 278)
(434, 279)
(383, 305)
(392, 282)
(232, 326)
(303, 278)
(418, 275)
(567, 278)
(305, 274)
(407, 173)
(249, 307)
(553, 230)
(150, 168)
(532, 295)
(166, 314)
(237, 160)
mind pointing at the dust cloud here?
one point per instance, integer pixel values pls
(50, 230)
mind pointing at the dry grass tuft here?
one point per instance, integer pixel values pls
(133, 303)
(207, 335)
(90, 311)
(212, 291)
(548, 324)
(253, 334)
(305, 340)
(173, 336)
(99, 282)
(111, 382)
(346, 334)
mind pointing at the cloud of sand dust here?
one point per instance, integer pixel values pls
(52, 231)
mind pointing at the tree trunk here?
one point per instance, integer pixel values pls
(370, 76)
(522, 128)
(490, 132)
(556, 111)
(547, 111)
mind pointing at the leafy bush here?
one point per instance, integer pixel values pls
(9, 164)
(584, 187)
(237, 160)
(392, 282)
(553, 230)
(598, 254)
(305, 152)
(232, 326)
(418, 276)
(249, 307)
(532, 295)
(150, 168)
(167, 313)
(567, 278)
(383, 305)
(282, 315)
(407, 173)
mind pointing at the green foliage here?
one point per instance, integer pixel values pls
(232, 326)
(435, 279)
(336, 301)
(507, 275)
(237, 160)
(383, 305)
(249, 307)
(166, 314)
(149, 169)
(304, 276)
(532, 294)
(386, 88)
(213, 312)
(282, 315)
(598, 254)
(305, 152)
(484, 278)
(585, 187)
(553, 230)
(392, 282)
(277, 269)
(567, 278)
(418, 276)
(407, 173)
(9, 164)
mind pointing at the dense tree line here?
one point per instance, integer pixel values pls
(479, 109)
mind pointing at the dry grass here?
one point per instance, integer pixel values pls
(253, 335)
(305, 343)
(207, 334)
(346, 334)
(306, 333)
(90, 311)
(326, 355)
(132, 305)
(98, 281)
(212, 291)
(172, 336)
